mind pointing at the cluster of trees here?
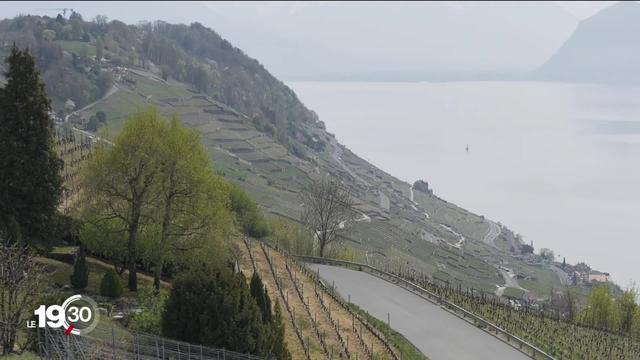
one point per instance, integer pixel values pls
(214, 306)
(603, 311)
(151, 196)
(65, 78)
(547, 254)
(190, 53)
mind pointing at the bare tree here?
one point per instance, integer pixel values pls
(327, 208)
(20, 281)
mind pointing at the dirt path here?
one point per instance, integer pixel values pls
(110, 92)
(509, 281)
(492, 234)
(337, 156)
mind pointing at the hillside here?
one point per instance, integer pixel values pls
(261, 137)
(603, 49)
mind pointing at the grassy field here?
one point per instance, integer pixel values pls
(159, 90)
(118, 107)
(77, 47)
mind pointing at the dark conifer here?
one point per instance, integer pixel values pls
(215, 308)
(261, 296)
(30, 182)
(280, 350)
(80, 276)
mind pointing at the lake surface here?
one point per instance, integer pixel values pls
(557, 163)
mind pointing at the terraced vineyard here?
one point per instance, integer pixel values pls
(319, 325)
(557, 337)
(404, 227)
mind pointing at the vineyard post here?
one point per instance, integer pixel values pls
(389, 324)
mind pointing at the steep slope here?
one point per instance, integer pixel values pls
(263, 138)
(604, 48)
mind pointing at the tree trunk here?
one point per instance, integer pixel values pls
(322, 245)
(131, 246)
(131, 263)
(156, 278)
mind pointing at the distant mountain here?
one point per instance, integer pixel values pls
(603, 49)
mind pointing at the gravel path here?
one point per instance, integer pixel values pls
(439, 334)
(492, 234)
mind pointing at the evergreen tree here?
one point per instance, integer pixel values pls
(280, 350)
(214, 307)
(80, 276)
(110, 284)
(30, 182)
(261, 296)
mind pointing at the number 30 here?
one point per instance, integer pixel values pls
(84, 314)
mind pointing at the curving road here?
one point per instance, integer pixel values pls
(439, 334)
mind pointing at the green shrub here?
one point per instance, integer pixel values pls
(110, 285)
(149, 320)
(80, 276)
(248, 215)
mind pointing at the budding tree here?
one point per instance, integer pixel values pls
(20, 282)
(327, 208)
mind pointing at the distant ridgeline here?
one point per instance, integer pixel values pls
(81, 60)
(603, 49)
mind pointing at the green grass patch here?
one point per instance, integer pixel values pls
(61, 272)
(77, 47)
(27, 355)
(63, 250)
(545, 281)
(406, 349)
(118, 107)
(514, 293)
(158, 90)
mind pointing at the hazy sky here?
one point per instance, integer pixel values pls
(368, 40)
(584, 9)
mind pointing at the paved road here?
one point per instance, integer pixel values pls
(437, 333)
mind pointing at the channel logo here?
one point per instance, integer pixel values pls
(77, 315)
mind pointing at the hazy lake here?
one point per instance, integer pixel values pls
(557, 163)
